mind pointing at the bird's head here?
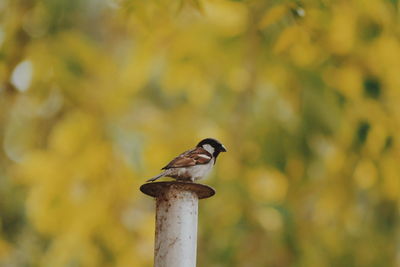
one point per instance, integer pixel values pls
(212, 145)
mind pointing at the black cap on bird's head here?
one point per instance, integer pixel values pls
(215, 144)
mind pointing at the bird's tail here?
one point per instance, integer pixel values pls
(156, 177)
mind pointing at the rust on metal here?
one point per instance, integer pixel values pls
(176, 221)
(157, 189)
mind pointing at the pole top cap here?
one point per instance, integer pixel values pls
(156, 189)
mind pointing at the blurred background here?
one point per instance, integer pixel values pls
(97, 95)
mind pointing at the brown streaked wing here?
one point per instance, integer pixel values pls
(201, 158)
(189, 158)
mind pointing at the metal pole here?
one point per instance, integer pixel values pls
(176, 221)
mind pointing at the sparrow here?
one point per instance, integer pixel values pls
(193, 164)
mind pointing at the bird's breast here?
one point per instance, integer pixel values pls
(200, 171)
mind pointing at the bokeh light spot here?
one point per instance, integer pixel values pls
(22, 75)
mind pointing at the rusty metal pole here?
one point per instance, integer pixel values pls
(176, 221)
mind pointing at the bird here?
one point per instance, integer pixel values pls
(193, 164)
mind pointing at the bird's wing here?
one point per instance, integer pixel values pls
(189, 158)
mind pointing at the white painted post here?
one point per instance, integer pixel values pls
(176, 221)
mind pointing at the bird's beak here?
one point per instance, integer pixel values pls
(223, 149)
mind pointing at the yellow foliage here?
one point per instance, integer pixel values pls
(347, 79)
(343, 29)
(266, 185)
(273, 15)
(95, 98)
(5, 249)
(288, 37)
(228, 17)
(391, 180)
(365, 174)
(270, 219)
